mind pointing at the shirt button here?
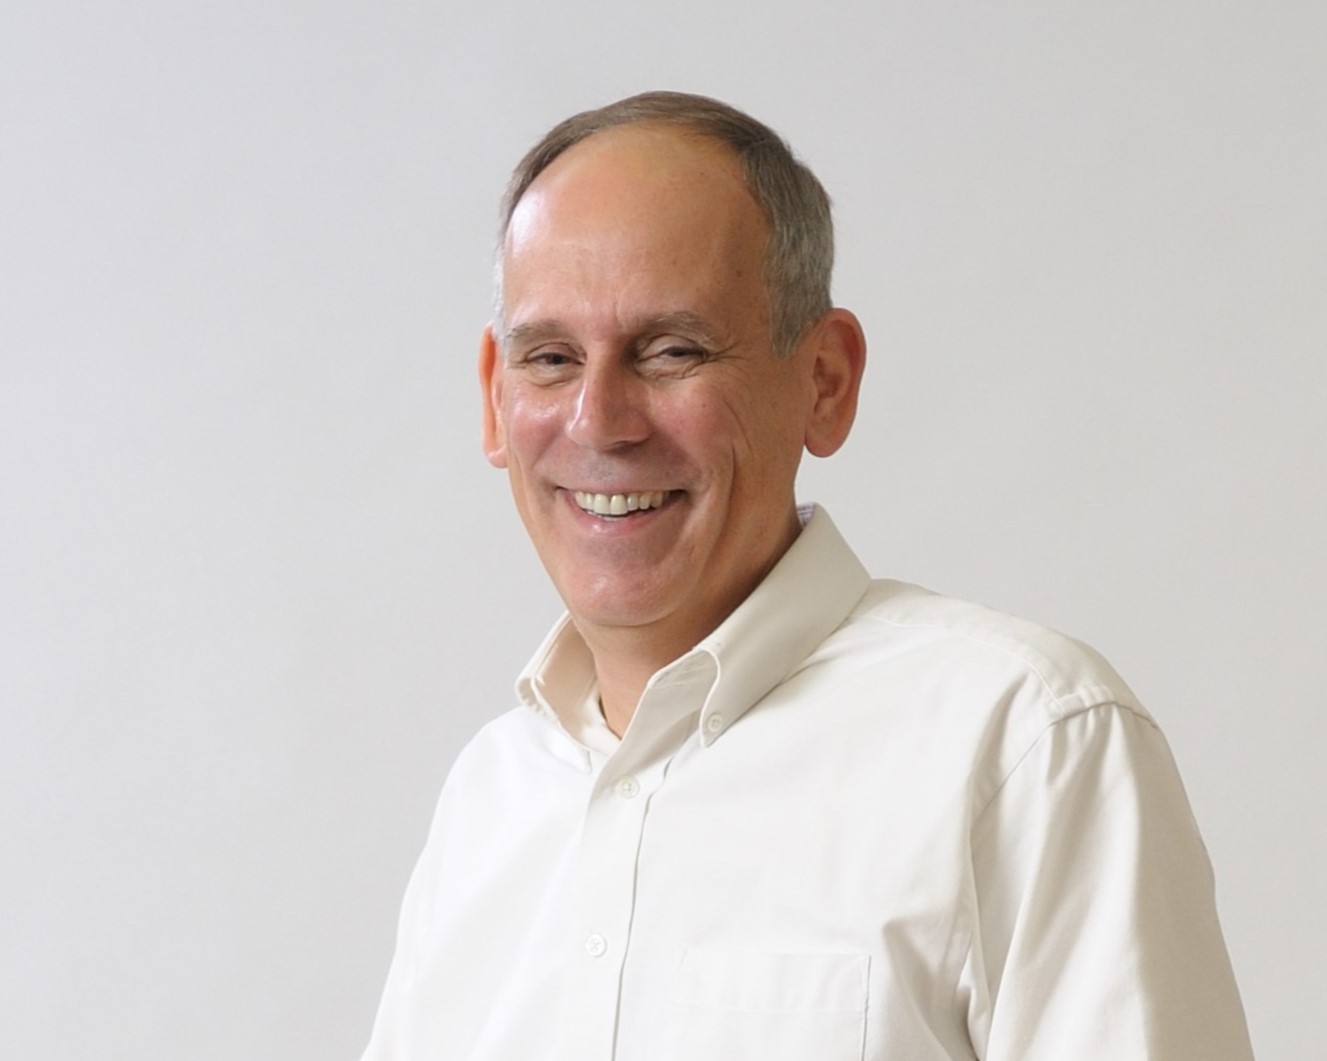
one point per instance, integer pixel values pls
(595, 946)
(714, 723)
(628, 787)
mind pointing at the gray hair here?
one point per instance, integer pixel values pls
(800, 255)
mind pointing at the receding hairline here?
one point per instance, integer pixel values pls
(793, 204)
(658, 127)
(696, 117)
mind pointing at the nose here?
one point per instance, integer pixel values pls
(611, 408)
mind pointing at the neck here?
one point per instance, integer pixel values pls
(625, 658)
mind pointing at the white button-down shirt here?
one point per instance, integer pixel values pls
(858, 821)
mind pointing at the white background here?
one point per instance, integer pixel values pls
(257, 583)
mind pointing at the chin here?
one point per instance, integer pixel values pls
(602, 615)
(618, 603)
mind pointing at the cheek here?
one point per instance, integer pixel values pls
(532, 421)
(766, 441)
(704, 430)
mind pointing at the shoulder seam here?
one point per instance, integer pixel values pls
(1084, 709)
(1089, 695)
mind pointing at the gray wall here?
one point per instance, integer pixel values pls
(257, 584)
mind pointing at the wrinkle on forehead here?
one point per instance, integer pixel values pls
(682, 323)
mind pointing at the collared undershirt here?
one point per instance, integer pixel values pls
(593, 730)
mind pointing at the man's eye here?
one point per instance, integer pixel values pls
(549, 359)
(673, 358)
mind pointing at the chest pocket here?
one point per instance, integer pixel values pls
(733, 1005)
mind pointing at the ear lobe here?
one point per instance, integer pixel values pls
(490, 382)
(838, 347)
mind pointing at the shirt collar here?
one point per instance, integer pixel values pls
(558, 681)
(809, 593)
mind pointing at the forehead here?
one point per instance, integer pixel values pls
(645, 212)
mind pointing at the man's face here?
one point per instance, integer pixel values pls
(650, 435)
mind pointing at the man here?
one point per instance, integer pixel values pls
(754, 805)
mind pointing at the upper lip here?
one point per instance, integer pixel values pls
(611, 490)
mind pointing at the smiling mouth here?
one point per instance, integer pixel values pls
(609, 505)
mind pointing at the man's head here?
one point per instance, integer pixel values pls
(800, 254)
(633, 393)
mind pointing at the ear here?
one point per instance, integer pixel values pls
(490, 382)
(837, 347)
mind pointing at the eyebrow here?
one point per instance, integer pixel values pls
(682, 321)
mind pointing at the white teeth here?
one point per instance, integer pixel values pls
(620, 504)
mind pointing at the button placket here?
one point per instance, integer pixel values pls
(613, 825)
(611, 838)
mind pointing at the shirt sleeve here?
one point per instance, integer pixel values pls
(402, 1020)
(393, 1027)
(1097, 935)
